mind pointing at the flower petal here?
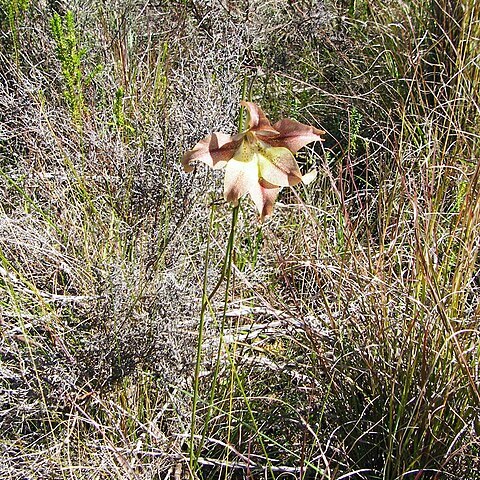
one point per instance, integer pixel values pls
(264, 195)
(257, 121)
(294, 135)
(309, 177)
(277, 166)
(214, 150)
(241, 174)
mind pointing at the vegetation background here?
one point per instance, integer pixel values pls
(344, 339)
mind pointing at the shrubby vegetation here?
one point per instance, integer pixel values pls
(342, 340)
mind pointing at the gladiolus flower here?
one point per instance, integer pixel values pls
(258, 161)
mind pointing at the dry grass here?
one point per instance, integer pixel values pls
(346, 343)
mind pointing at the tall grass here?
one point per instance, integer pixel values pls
(383, 267)
(344, 344)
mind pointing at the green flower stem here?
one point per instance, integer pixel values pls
(205, 301)
(226, 274)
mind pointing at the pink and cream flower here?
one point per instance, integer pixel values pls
(258, 161)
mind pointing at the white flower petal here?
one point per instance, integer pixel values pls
(264, 195)
(214, 150)
(241, 174)
(310, 176)
(278, 166)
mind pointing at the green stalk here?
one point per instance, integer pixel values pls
(205, 301)
(225, 275)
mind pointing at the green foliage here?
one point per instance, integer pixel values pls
(14, 11)
(118, 108)
(70, 55)
(119, 113)
(355, 122)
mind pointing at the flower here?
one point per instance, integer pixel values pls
(258, 161)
